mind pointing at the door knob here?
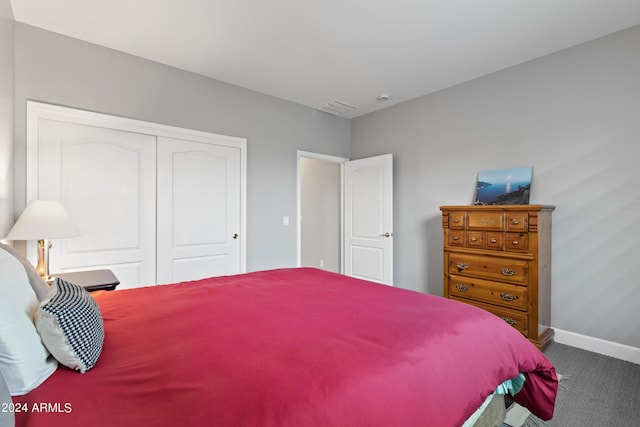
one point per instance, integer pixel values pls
(235, 235)
(387, 234)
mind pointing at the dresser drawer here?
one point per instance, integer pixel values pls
(517, 319)
(457, 219)
(457, 238)
(488, 267)
(502, 294)
(475, 239)
(518, 221)
(485, 221)
(494, 240)
(517, 242)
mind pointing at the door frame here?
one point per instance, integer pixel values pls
(327, 158)
(37, 111)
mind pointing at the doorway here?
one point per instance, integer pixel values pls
(345, 215)
(320, 211)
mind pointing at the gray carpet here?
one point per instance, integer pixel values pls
(595, 390)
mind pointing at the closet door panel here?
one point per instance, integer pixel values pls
(106, 180)
(198, 210)
(199, 192)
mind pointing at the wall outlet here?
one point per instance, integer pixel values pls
(321, 263)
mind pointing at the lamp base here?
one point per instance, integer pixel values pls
(43, 259)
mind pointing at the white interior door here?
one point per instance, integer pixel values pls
(368, 218)
(106, 180)
(198, 210)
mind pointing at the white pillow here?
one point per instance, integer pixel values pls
(37, 284)
(24, 361)
(6, 417)
(71, 326)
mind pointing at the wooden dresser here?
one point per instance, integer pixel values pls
(499, 258)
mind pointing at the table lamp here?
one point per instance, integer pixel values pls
(42, 220)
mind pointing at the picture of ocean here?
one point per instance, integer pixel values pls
(503, 187)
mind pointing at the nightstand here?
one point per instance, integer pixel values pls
(93, 280)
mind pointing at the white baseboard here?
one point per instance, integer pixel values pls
(597, 345)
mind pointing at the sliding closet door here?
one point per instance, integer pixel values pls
(106, 180)
(198, 210)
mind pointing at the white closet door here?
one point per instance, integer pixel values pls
(106, 180)
(198, 210)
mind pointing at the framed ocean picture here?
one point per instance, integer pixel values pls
(503, 187)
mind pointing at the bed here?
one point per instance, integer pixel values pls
(289, 347)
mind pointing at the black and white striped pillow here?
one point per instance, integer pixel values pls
(70, 325)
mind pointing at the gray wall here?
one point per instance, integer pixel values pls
(60, 70)
(575, 117)
(6, 117)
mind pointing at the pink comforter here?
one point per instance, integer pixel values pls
(290, 347)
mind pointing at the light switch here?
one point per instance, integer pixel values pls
(285, 221)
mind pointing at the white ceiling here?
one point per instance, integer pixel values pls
(315, 51)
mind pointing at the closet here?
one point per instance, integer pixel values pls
(155, 204)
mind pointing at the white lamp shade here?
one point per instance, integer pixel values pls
(43, 219)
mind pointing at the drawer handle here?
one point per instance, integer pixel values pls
(508, 271)
(494, 240)
(508, 297)
(456, 238)
(515, 222)
(515, 243)
(474, 239)
(510, 321)
(461, 287)
(456, 220)
(462, 265)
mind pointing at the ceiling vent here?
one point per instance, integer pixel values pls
(337, 108)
